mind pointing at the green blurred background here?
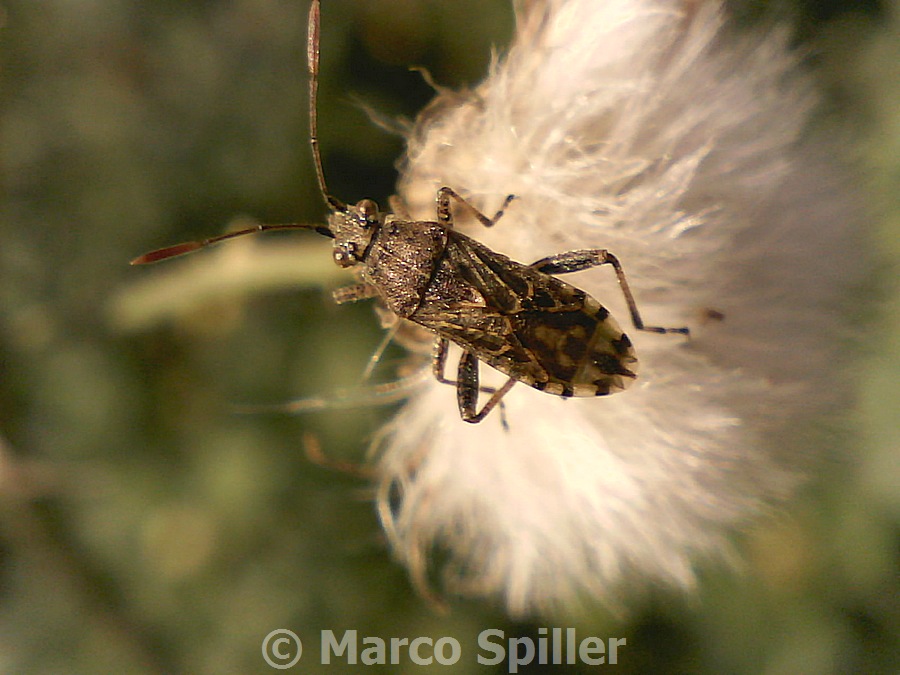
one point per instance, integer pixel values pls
(145, 527)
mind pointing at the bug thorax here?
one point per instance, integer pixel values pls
(353, 227)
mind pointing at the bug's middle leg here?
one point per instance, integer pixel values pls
(439, 360)
(445, 217)
(576, 261)
(467, 389)
(439, 365)
(467, 385)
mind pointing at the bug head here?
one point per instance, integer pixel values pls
(353, 227)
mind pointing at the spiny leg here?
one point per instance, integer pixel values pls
(467, 389)
(576, 261)
(445, 217)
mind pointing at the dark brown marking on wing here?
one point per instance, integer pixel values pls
(575, 347)
(622, 345)
(603, 388)
(542, 298)
(610, 364)
(558, 340)
(602, 314)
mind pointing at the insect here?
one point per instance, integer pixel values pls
(519, 319)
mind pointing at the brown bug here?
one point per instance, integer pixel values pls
(517, 318)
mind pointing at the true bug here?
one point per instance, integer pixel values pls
(517, 318)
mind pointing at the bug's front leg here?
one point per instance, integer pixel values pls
(445, 217)
(354, 293)
(576, 261)
(398, 207)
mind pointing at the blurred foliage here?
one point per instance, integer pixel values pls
(145, 527)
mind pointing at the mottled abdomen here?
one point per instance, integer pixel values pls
(556, 338)
(579, 352)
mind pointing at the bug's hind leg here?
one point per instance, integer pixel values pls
(576, 261)
(445, 217)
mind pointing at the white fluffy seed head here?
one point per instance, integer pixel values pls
(647, 128)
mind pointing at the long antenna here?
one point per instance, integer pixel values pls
(312, 61)
(191, 246)
(312, 58)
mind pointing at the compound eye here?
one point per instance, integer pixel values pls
(368, 211)
(345, 254)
